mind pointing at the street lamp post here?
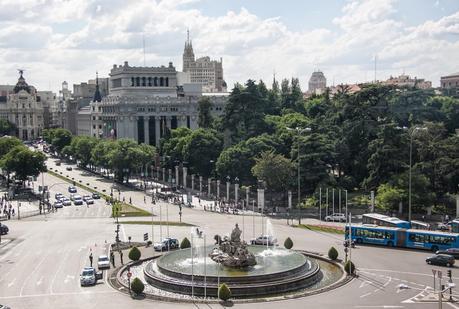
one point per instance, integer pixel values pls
(227, 188)
(299, 131)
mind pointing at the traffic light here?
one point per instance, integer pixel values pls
(450, 275)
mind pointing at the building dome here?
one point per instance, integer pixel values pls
(21, 84)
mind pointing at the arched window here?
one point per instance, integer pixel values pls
(137, 81)
(161, 81)
(144, 81)
(149, 82)
(156, 81)
(167, 81)
(132, 82)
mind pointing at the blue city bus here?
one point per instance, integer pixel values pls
(399, 237)
(383, 220)
(431, 240)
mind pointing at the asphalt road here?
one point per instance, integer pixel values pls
(40, 267)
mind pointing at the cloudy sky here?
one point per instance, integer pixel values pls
(57, 40)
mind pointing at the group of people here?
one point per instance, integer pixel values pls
(6, 208)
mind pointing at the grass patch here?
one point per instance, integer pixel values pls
(171, 223)
(126, 210)
(323, 228)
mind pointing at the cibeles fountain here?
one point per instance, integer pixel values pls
(250, 271)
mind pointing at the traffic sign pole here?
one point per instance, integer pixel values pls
(434, 272)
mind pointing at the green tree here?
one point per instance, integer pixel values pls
(137, 286)
(82, 147)
(134, 254)
(205, 117)
(288, 243)
(224, 292)
(61, 138)
(388, 197)
(274, 169)
(7, 143)
(101, 153)
(333, 253)
(201, 147)
(6, 127)
(185, 243)
(23, 162)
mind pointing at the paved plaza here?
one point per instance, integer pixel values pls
(41, 262)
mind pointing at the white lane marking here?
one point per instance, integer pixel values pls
(387, 283)
(383, 306)
(364, 283)
(31, 274)
(40, 281)
(123, 232)
(58, 294)
(67, 279)
(365, 295)
(452, 305)
(12, 283)
(58, 270)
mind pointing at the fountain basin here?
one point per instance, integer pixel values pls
(277, 271)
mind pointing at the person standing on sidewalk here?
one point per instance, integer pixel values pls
(121, 257)
(90, 259)
(112, 258)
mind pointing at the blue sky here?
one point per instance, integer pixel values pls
(59, 40)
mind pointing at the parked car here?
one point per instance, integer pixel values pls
(89, 276)
(58, 205)
(338, 217)
(66, 201)
(443, 227)
(4, 229)
(103, 262)
(75, 196)
(441, 259)
(78, 201)
(68, 168)
(95, 196)
(72, 189)
(454, 252)
(87, 199)
(167, 243)
(58, 163)
(57, 195)
(264, 240)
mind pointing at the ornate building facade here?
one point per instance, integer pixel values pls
(317, 83)
(23, 107)
(209, 73)
(145, 102)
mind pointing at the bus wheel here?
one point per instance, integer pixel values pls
(434, 248)
(390, 244)
(359, 240)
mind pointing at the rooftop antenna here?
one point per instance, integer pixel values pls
(143, 43)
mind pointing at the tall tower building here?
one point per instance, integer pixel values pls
(188, 54)
(317, 83)
(207, 72)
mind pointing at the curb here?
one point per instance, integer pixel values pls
(123, 288)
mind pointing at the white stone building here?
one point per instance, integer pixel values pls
(23, 107)
(145, 102)
(406, 81)
(209, 73)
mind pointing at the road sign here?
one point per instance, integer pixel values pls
(434, 272)
(439, 273)
(145, 237)
(129, 274)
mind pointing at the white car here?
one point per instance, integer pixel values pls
(264, 240)
(89, 276)
(103, 262)
(336, 217)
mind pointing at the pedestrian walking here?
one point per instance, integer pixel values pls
(124, 199)
(145, 199)
(112, 258)
(121, 257)
(90, 259)
(130, 200)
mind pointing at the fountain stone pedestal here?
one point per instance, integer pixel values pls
(232, 252)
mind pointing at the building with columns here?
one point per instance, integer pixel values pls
(145, 102)
(23, 107)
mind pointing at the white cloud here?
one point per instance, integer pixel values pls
(58, 40)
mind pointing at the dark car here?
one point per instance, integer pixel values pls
(95, 196)
(72, 189)
(68, 168)
(450, 251)
(441, 259)
(4, 229)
